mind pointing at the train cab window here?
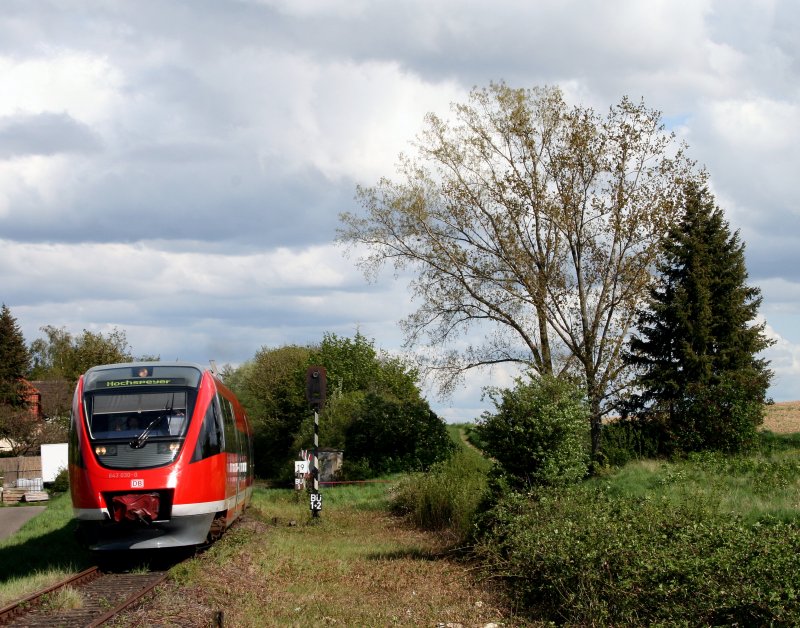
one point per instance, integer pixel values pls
(126, 414)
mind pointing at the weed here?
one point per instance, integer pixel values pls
(446, 497)
(63, 599)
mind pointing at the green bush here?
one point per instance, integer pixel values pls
(61, 483)
(356, 470)
(540, 432)
(624, 440)
(392, 436)
(589, 555)
(722, 417)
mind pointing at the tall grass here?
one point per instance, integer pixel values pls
(446, 497)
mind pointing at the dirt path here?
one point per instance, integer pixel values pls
(354, 567)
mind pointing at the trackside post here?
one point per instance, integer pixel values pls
(316, 386)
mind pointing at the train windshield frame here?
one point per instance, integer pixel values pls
(138, 415)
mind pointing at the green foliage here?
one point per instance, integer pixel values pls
(272, 388)
(446, 497)
(354, 365)
(394, 436)
(335, 420)
(669, 544)
(61, 483)
(18, 424)
(623, 440)
(696, 345)
(14, 359)
(60, 355)
(540, 432)
(722, 417)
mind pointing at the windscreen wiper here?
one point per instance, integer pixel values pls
(141, 439)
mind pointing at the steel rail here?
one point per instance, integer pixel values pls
(99, 591)
(128, 602)
(18, 607)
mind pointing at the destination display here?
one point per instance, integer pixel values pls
(144, 381)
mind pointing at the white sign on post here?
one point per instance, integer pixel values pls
(300, 472)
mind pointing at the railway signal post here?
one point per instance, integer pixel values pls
(316, 385)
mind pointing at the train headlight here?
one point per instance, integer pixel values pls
(106, 450)
(168, 448)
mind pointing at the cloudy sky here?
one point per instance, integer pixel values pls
(176, 169)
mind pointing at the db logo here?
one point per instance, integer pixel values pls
(137, 483)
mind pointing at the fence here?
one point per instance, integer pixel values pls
(22, 472)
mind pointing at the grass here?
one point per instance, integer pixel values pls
(353, 566)
(66, 598)
(42, 552)
(709, 540)
(754, 487)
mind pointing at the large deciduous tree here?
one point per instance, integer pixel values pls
(272, 388)
(697, 342)
(60, 355)
(531, 222)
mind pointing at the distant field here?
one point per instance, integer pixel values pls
(783, 417)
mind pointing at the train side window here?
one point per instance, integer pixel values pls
(209, 441)
(231, 440)
(75, 456)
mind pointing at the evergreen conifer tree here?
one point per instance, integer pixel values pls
(14, 358)
(696, 347)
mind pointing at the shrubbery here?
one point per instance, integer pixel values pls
(61, 483)
(623, 440)
(540, 432)
(446, 497)
(672, 554)
(388, 436)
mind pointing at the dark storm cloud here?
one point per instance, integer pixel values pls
(44, 134)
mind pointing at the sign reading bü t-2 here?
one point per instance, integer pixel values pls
(316, 502)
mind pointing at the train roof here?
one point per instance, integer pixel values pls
(159, 373)
(102, 367)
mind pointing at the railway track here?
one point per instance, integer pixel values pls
(98, 597)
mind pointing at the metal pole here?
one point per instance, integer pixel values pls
(316, 503)
(316, 451)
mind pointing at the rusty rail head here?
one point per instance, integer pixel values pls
(13, 609)
(99, 621)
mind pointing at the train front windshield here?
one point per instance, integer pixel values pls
(137, 416)
(127, 414)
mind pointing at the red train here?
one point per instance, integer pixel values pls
(160, 455)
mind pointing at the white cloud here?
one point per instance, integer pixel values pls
(784, 357)
(763, 125)
(195, 201)
(82, 84)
